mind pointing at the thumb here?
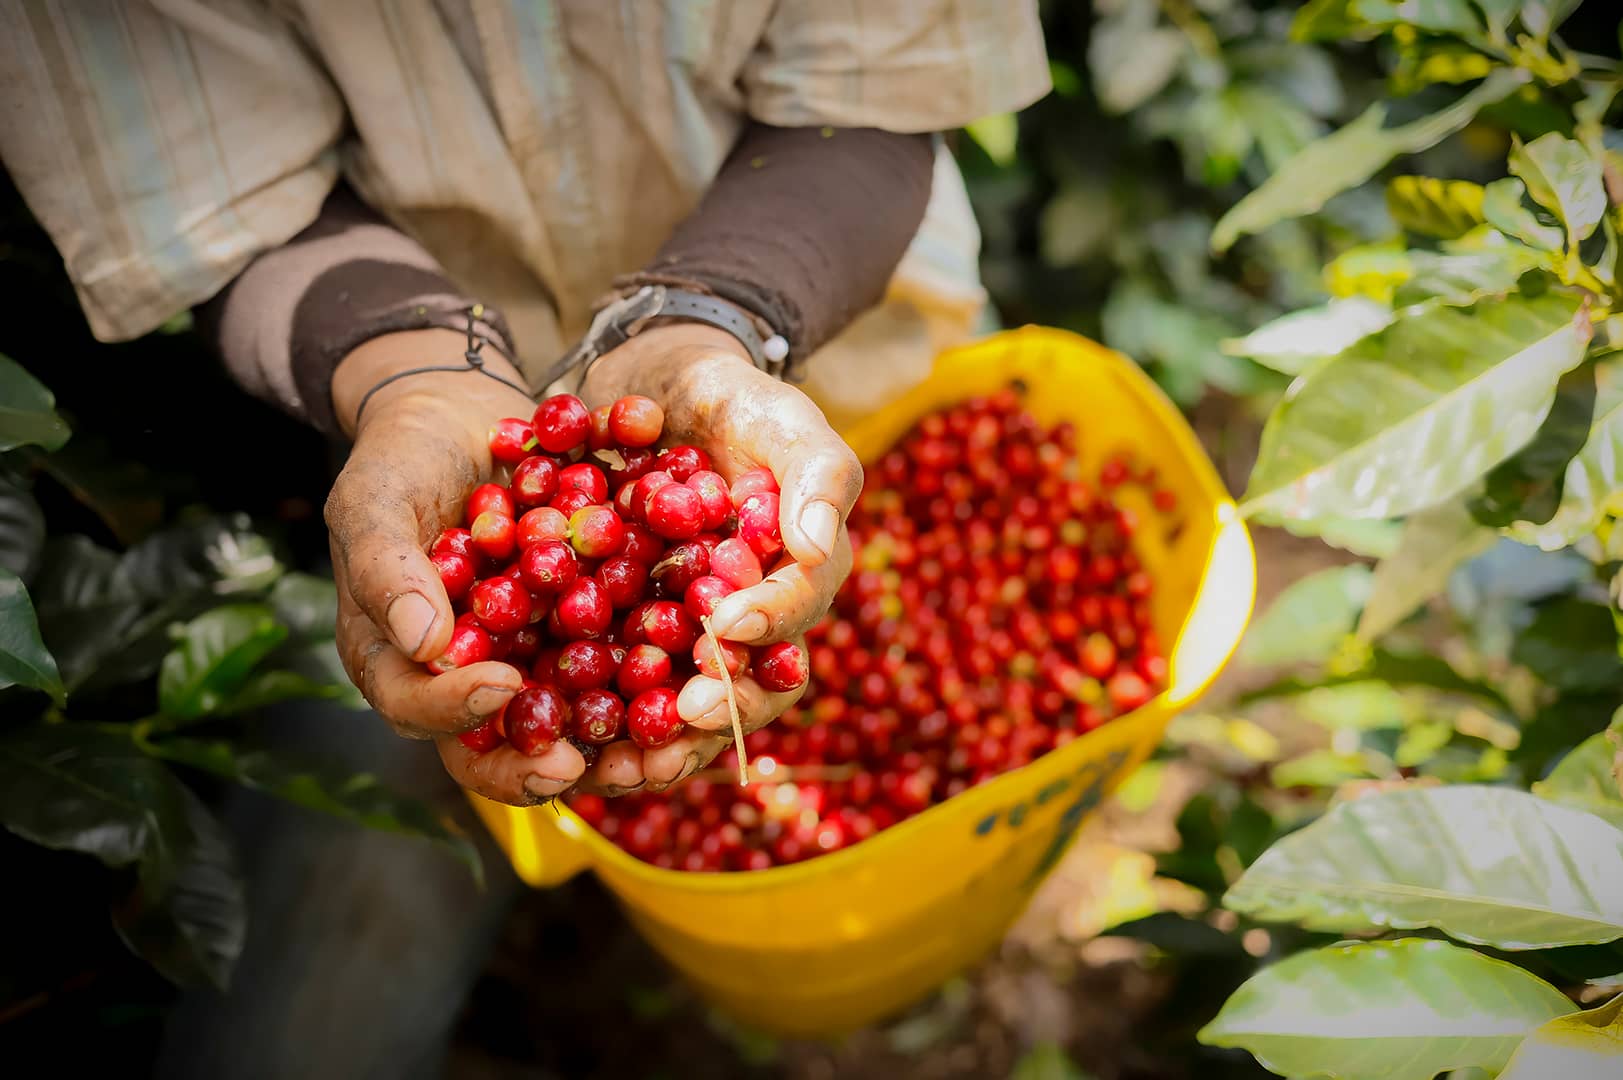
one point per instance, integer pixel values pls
(374, 527)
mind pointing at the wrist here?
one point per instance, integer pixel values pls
(372, 362)
(650, 361)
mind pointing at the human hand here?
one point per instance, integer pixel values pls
(716, 399)
(421, 446)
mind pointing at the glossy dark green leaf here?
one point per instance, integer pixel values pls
(1384, 1010)
(1527, 486)
(74, 788)
(218, 555)
(194, 930)
(214, 656)
(1558, 727)
(22, 528)
(89, 613)
(1346, 158)
(1426, 206)
(270, 687)
(1438, 857)
(360, 798)
(27, 410)
(1572, 645)
(24, 660)
(307, 604)
(1592, 485)
(1587, 777)
(1411, 416)
(122, 491)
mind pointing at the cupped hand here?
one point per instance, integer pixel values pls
(716, 399)
(420, 447)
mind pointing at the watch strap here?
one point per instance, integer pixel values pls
(623, 319)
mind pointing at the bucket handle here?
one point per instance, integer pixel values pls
(1222, 607)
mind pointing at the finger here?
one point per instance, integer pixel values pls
(703, 704)
(787, 603)
(820, 478)
(375, 541)
(617, 771)
(507, 776)
(677, 761)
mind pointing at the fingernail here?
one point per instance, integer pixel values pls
(487, 699)
(820, 523)
(752, 626)
(542, 788)
(613, 791)
(699, 697)
(690, 768)
(411, 617)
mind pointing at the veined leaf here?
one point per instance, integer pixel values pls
(1384, 1010)
(22, 529)
(27, 410)
(1461, 279)
(359, 798)
(307, 604)
(1579, 1046)
(1370, 537)
(1412, 415)
(1486, 865)
(1527, 485)
(194, 931)
(1508, 208)
(24, 660)
(1427, 206)
(1309, 619)
(216, 652)
(1585, 778)
(1434, 542)
(1593, 483)
(1564, 178)
(1348, 157)
(1292, 342)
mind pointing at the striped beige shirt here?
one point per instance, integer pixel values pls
(535, 149)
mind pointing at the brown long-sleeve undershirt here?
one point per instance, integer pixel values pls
(802, 227)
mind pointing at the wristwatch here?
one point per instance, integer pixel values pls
(622, 320)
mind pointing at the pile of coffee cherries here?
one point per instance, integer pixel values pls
(997, 611)
(592, 567)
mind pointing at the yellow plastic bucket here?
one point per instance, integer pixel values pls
(820, 947)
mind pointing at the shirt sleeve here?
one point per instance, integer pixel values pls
(162, 144)
(923, 65)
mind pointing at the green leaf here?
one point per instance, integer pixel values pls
(1426, 206)
(1579, 1046)
(214, 656)
(1463, 278)
(1585, 778)
(1329, 20)
(1131, 58)
(1401, 669)
(1291, 343)
(1527, 485)
(1593, 483)
(1565, 179)
(1434, 542)
(1348, 157)
(1047, 1061)
(1572, 645)
(1309, 619)
(1412, 415)
(121, 490)
(24, 660)
(1384, 1010)
(269, 687)
(22, 528)
(1365, 705)
(1436, 16)
(359, 798)
(1487, 865)
(27, 410)
(73, 788)
(194, 931)
(1508, 208)
(307, 604)
(997, 135)
(1324, 769)
(215, 555)
(1369, 537)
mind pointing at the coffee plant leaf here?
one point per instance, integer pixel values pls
(1384, 1010)
(22, 528)
(1414, 414)
(1527, 486)
(1564, 178)
(1585, 779)
(1592, 485)
(214, 656)
(1427, 206)
(27, 410)
(24, 660)
(1291, 343)
(1486, 865)
(1434, 542)
(1309, 619)
(1577, 1046)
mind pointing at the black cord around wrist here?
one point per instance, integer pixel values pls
(474, 361)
